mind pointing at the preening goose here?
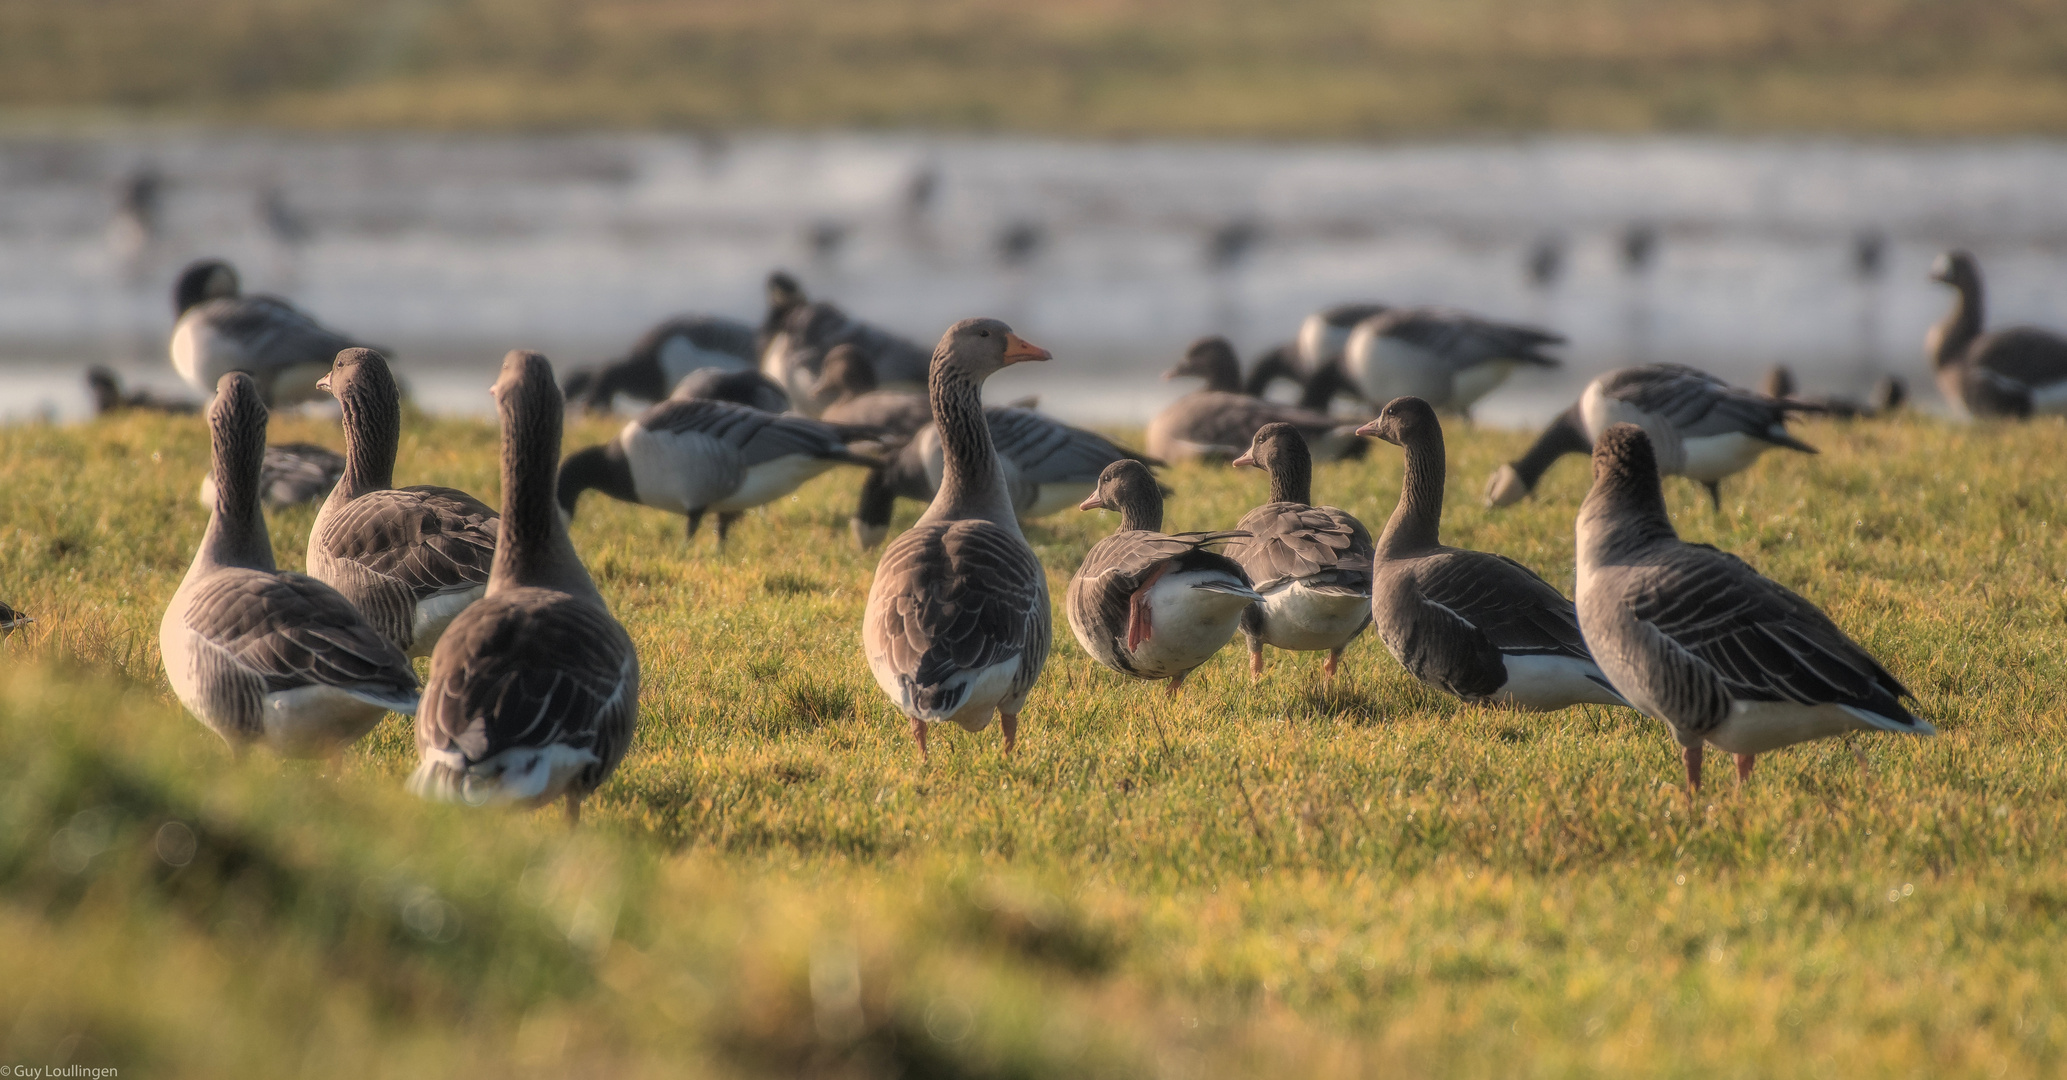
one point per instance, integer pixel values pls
(294, 473)
(1148, 603)
(1472, 624)
(2014, 373)
(411, 559)
(1448, 358)
(663, 357)
(1703, 428)
(534, 689)
(1696, 638)
(1310, 564)
(798, 342)
(263, 657)
(1220, 421)
(109, 397)
(743, 387)
(12, 620)
(957, 624)
(220, 331)
(692, 457)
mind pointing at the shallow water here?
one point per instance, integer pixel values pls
(452, 250)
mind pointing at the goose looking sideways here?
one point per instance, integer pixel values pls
(957, 624)
(411, 559)
(1449, 359)
(2013, 373)
(266, 658)
(1220, 420)
(1151, 604)
(1477, 626)
(1695, 637)
(1311, 564)
(220, 330)
(1701, 427)
(534, 689)
(691, 457)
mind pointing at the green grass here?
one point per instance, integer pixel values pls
(1282, 878)
(1302, 68)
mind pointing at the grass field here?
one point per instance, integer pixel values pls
(1298, 68)
(1281, 878)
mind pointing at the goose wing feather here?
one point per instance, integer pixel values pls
(1294, 541)
(273, 331)
(1699, 404)
(1047, 451)
(1464, 339)
(1517, 611)
(1220, 418)
(757, 436)
(957, 596)
(291, 630)
(432, 539)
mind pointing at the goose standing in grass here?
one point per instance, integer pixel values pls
(1703, 428)
(293, 474)
(410, 558)
(1695, 637)
(264, 657)
(534, 690)
(691, 457)
(2013, 373)
(663, 357)
(109, 397)
(807, 331)
(1449, 359)
(1148, 603)
(1310, 564)
(1325, 333)
(1219, 421)
(11, 620)
(220, 330)
(1477, 626)
(957, 624)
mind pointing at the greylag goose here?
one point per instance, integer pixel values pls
(534, 690)
(663, 357)
(957, 624)
(1448, 358)
(796, 347)
(692, 457)
(220, 331)
(263, 657)
(1151, 604)
(744, 387)
(1475, 625)
(1310, 564)
(411, 559)
(1219, 421)
(294, 473)
(109, 397)
(2013, 373)
(12, 620)
(1703, 428)
(1695, 637)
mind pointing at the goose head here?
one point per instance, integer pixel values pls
(1402, 421)
(1275, 445)
(358, 377)
(1623, 454)
(1129, 487)
(1211, 359)
(1956, 268)
(980, 348)
(204, 280)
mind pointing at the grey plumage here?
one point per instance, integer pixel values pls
(1219, 421)
(2011, 373)
(221, 330)
(802, 332)
(1310, 564)
(1446, 357)
(292, 474)
(664, 356)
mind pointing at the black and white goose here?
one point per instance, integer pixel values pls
(692, 457)
(411, 559)
(1219, 421)
(663, 357)
(1151, 604)
(1325, 333)
(2012, 373)
(267, 658)
(1475, 625)
(1695, 637)
(534, 689)
(220, 330)
(294, 473)
(1310, 564)
(1445, 357)
(957, 624)
(1702, 427)
(795, 350)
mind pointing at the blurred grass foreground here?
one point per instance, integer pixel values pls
(1303, 68)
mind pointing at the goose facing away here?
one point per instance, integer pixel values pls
(1151, 604)
(263, 657)
(1449, 359)
(293, 474)
(1695, 637)
(957, 624)
(692, 457)
(411, 559)
(220, 330)
(1703, 428)
(534, 689)
(1310, 564)
(1475, 625)
(1219, 421)
(2012, 373)
(663, 357)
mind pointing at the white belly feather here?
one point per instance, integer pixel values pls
(1547, 683)
(1297, 618)
(1188, 624)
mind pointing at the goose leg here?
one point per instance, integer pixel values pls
(1333, 661)
(725, 524)
(1008, 722)
(573, 810)
(1176, 684)
(918, 733)
(695, 519)
(1744, 764)
(1714, 493)
(1255, 659)
(1691, 755)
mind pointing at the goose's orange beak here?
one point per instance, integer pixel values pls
(1018, 350)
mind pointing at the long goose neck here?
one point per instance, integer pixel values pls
(1565, 435)
(1960, 326)
(237, 533)
(1291, 474)
(972, 480)
(373, 432)
(1416, 523)
(1142, 511)
(1625, 510)
(534, 549)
